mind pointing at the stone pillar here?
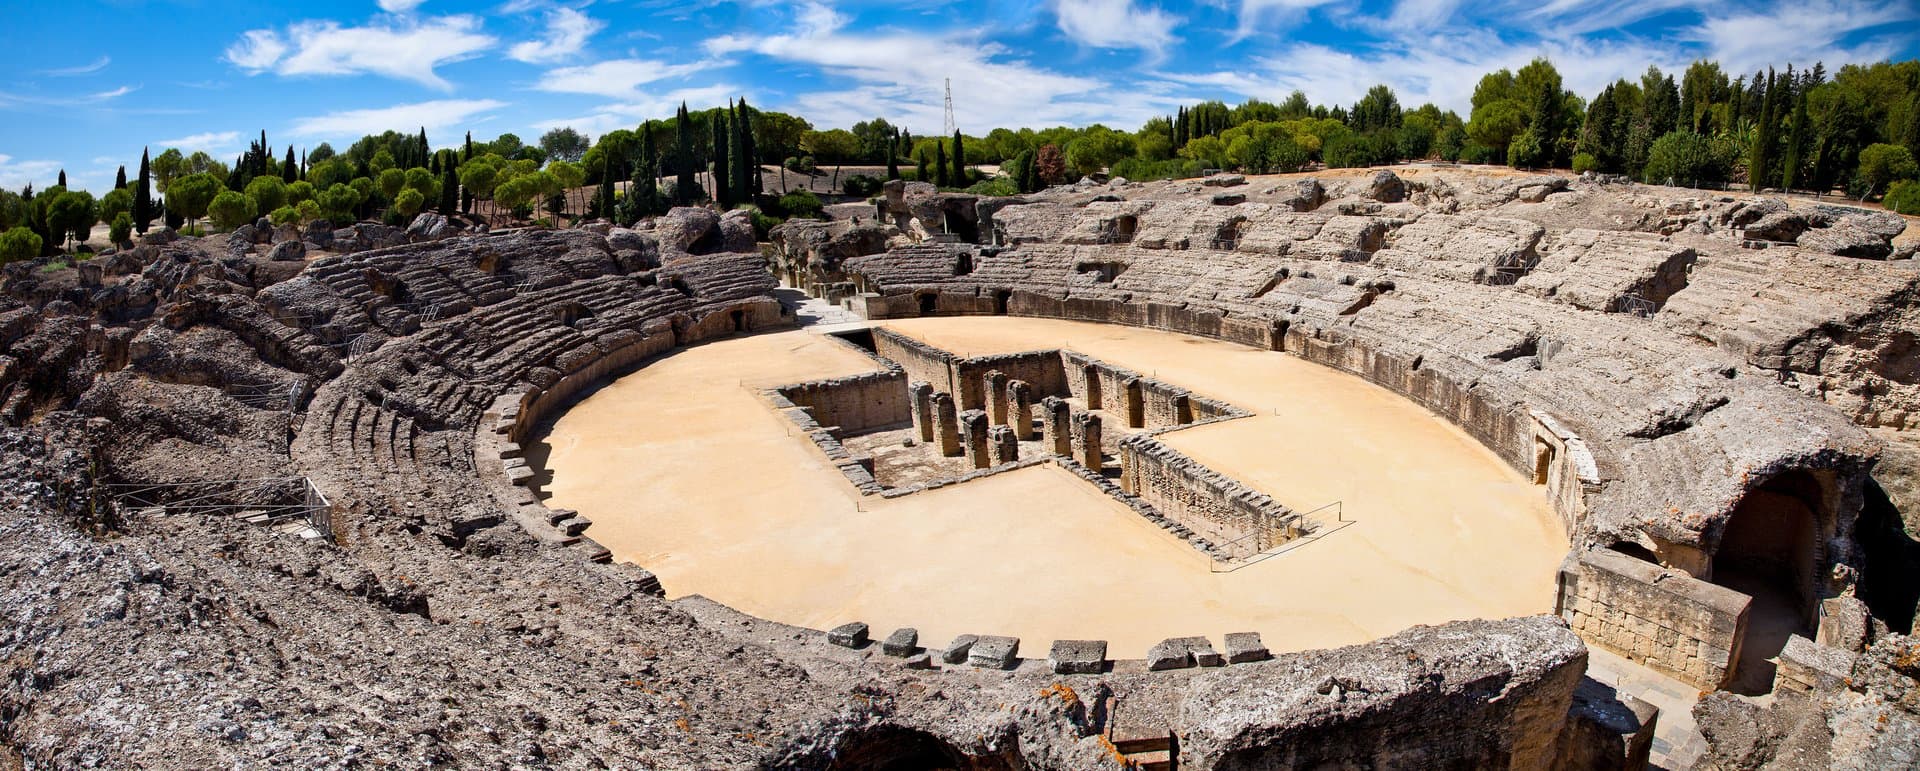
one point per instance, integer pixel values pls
(1006, 448)
(1056, 417)
(973, 436)
(1020, 409)
(920, 399)
(996, 397)
(1091, 374)
(946, 425)
(1086, 440)
(1135, 404)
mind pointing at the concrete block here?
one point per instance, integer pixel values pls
(852, 635)
(991, 652)
(1244, 647)
(1078, 657)
(903, 642)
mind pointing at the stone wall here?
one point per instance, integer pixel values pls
(1662, 618)
(1239, 521)
(1040, 369)
(854, 404)
(917, 359)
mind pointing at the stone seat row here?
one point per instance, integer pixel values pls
(1066, 657)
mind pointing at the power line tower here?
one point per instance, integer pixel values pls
(950, 127)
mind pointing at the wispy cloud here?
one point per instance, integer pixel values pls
(209, 141)
(17, 174)
(436, 115)
(406, 49)
(615, 78)
(399, 6)
(84, 69)
(1802, 33)
(608, 117)
(567, 33)
(1115, 24)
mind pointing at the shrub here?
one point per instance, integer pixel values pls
(763, 223)
(802, 164)
(285, 215)
(1683, 158)
(861, 185)
(1882, 164)
(19, 244)
(997, 186)
(1903, 197)
(1585, 162)
(801, 203)
(230, 210)
(1142, 169)
(120, 230)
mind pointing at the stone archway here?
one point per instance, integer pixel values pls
(893, 748)
(1770, 551)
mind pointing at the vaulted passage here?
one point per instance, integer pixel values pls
(1768, 553)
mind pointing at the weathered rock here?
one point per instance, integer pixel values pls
(1850, 237)
(849, 635)
(903, 642)
(428, 226)
(288, 251)
(1224, 180)
(1386, 187)
(989, 652)
(1245, 647)
(1078, 657)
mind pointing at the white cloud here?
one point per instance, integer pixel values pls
(567, 33)
(898, 75)
(1801, 33)
(608, 117)
(111, 94)
(212, 140)
(1255, 13)
(84, 69)
(407, 50)
(433, 116)
(399, 6)
(17, 174)
(1115, 24)
(615, 78)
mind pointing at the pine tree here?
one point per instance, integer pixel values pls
(722, 187)
(939, 164)
(449, 190)
(120, 178)
(683, 158)
(143, 196)
(959, 175)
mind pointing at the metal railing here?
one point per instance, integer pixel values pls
(261, 500)
(1313, 525)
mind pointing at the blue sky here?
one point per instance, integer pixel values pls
(209, 74)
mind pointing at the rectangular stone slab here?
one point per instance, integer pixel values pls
(1243, 647)
(1078, 657)
(903, 642)
(994, 652)
(851, 635)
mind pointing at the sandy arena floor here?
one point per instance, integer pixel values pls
(718, 496)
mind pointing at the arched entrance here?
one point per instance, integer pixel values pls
(1770, 550)
(893, 748)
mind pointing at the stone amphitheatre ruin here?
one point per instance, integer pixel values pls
(1435, 468)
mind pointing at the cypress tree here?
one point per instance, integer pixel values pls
(449, 190)
(289, 173)
(683, 158)
(645, 192)
(63, 177)
(959, 175)
(143, 195)
(1759, 154)
(722, 186)
(920, 171)
(1911, 135)
(939, 164)
(260, 156)
(744, 155)
(425, 150)
(120, 178)
(893, 156)
(603, 203)
(467, 155)
(1796, 137)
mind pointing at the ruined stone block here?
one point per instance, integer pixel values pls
(957, 651)
(1606, 730)
(996, 393)
(1086, 440)
(1244, 647)
(992, 652)
(1020, 409)
(853, 635)
(920, 402)
(1807, 666)
(1169, 654)
(903, 642)
(973, 439)
(1056, 426)
(1004, 446)
(1078, 657)
(946, 424)
(919, 661)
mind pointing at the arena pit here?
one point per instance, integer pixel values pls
(1404, 519)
